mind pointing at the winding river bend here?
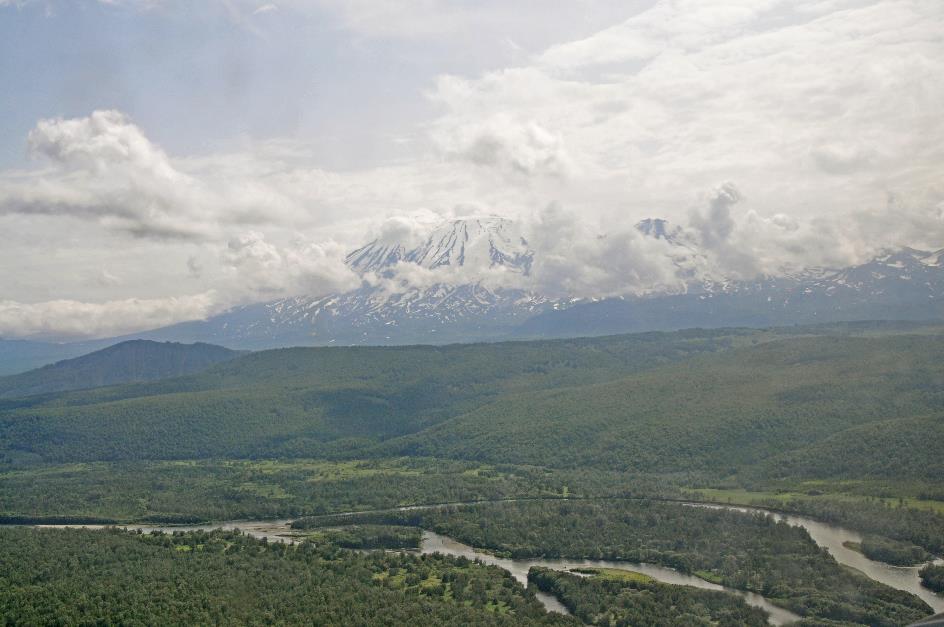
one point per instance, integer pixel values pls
(832, 537)
(829, 536)
(435, 543)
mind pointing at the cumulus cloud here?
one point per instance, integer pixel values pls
(798, 101)
(105, 169)
(58, 318)
(262, 269)
(583, 258)
(516, 148)
(715, 225)
(825, 114)
(408, 231)
(100, 142)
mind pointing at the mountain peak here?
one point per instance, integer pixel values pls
(479, 241)
(659, 229)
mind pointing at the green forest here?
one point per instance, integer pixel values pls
(115, 577)
(932, 576)
(577, 448)
(890, 551)
(625, 598)
(747, 552)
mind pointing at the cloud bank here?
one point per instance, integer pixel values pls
(75, 319)
(777, 135)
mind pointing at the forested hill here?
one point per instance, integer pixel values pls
(704, 401)
(127, 362)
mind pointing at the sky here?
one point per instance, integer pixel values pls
(163, 160)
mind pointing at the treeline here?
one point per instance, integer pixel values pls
(56, 577)
(919, 527)
(892, 552)
(932, 576)
(748, 552)
(623, 601)
(369, 537)
(187, 492)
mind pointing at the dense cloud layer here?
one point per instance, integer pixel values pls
(74, 319)
(776, 135)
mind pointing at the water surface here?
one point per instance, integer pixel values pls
(436, 543)
(829, 536)
(832, 537)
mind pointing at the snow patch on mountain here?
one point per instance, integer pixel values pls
(473, 279)
(463, 242)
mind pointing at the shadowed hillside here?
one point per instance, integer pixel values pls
(128, 362)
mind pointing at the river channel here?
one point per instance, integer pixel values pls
(829, 536)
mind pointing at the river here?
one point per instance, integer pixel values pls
(829, 536)
(435, 543)
(832, 537)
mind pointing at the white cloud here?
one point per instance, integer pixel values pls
(100, 142)
(518, 148)
(60, 318)
(817, 110)
(796, 101)
(105, 169)
(265, 8)
(580, 257)
(260, 269)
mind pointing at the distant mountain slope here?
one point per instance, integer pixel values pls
(904, 284)
(713, 402)
(901, 285)
(452, 296)
(127, 362)
(18, 356)
(303, 402)
(715, 412)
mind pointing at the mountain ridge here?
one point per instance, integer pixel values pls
(132, 361)
(467, 280)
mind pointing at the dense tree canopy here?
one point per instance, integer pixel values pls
(748, 552)
(93, 577)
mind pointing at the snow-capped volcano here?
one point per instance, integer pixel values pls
(476, 242)
(455, 295)
(441, 287)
